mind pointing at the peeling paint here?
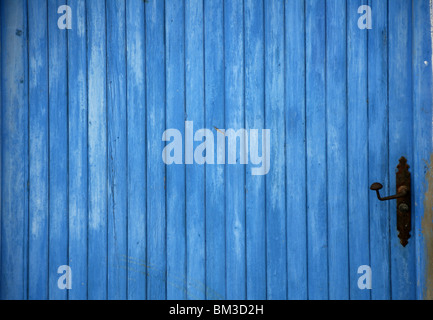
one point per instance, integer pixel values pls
(427, 231)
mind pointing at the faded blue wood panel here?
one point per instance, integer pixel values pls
(377, 147)
(195, 173)
(97, 150)
(215, 174)
(77, 135)
(117, 150)
(336, 127)
(255, 120)
(1, 146)
(14, 126)
(276, 237)
(235, 174)
(296, 201)
(316, 150)
(38, 150)
(156, 261)
(227, 65)
(357, 141)
(136, 110)
(403, 275)
(422, 146)
(58, 150)
(175, 119)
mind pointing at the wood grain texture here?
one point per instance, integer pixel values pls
(84, 184)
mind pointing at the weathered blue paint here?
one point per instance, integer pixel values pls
(377, 143)
(83, 182)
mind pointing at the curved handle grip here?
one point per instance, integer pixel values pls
(402, 192)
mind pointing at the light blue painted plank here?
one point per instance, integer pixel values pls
(14, 150)
(58, 149)
(97, 150)
(378, 146)
(215, 174)
(403, 274)
(316, 151)
(336, 126)
(176, 219)
(156, 177)
(235, 173)
(297, 272)
(1, 149)
(136, 98)
(357, 122)
(276, 237)
(117, 150)
(38, 150)
(422, 104)
(255, 120)
(195, 173)
(77, 94)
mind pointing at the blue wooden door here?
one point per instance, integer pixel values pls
(214, 149)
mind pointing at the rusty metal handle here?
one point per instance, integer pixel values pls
(402, 192)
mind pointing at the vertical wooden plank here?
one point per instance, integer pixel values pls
(136, 99)
(336, 125)
(58, 149)
(77, 88)
(235, 173)
(378, 144)
(255, 120)
(215, 174)
(357, 114)
(297, 280)
(316, 150)
(195, 173)
(38, 150)
(403, 275)
(276, 237)
(97, 150)
(117, 151)
(1, 147)
(175, 119)
(422, 104)
(14, 150)
(156, 104)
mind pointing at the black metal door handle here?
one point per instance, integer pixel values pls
(402, 192)
(402, 179)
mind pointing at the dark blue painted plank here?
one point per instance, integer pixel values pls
(336, 127)
(195, 173)
(156, 103)
(14, 150)
(276, 237)
(403, 275)
(117, 150)
(316, 150)
(297, 285)
(78, 196)
(215, 174)
(377, 144)
(422, 104)
(175, 90)
(136, 98)
(58, 150)
(97, 150)
(235, 174)
(38, 150)
(255, 120)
